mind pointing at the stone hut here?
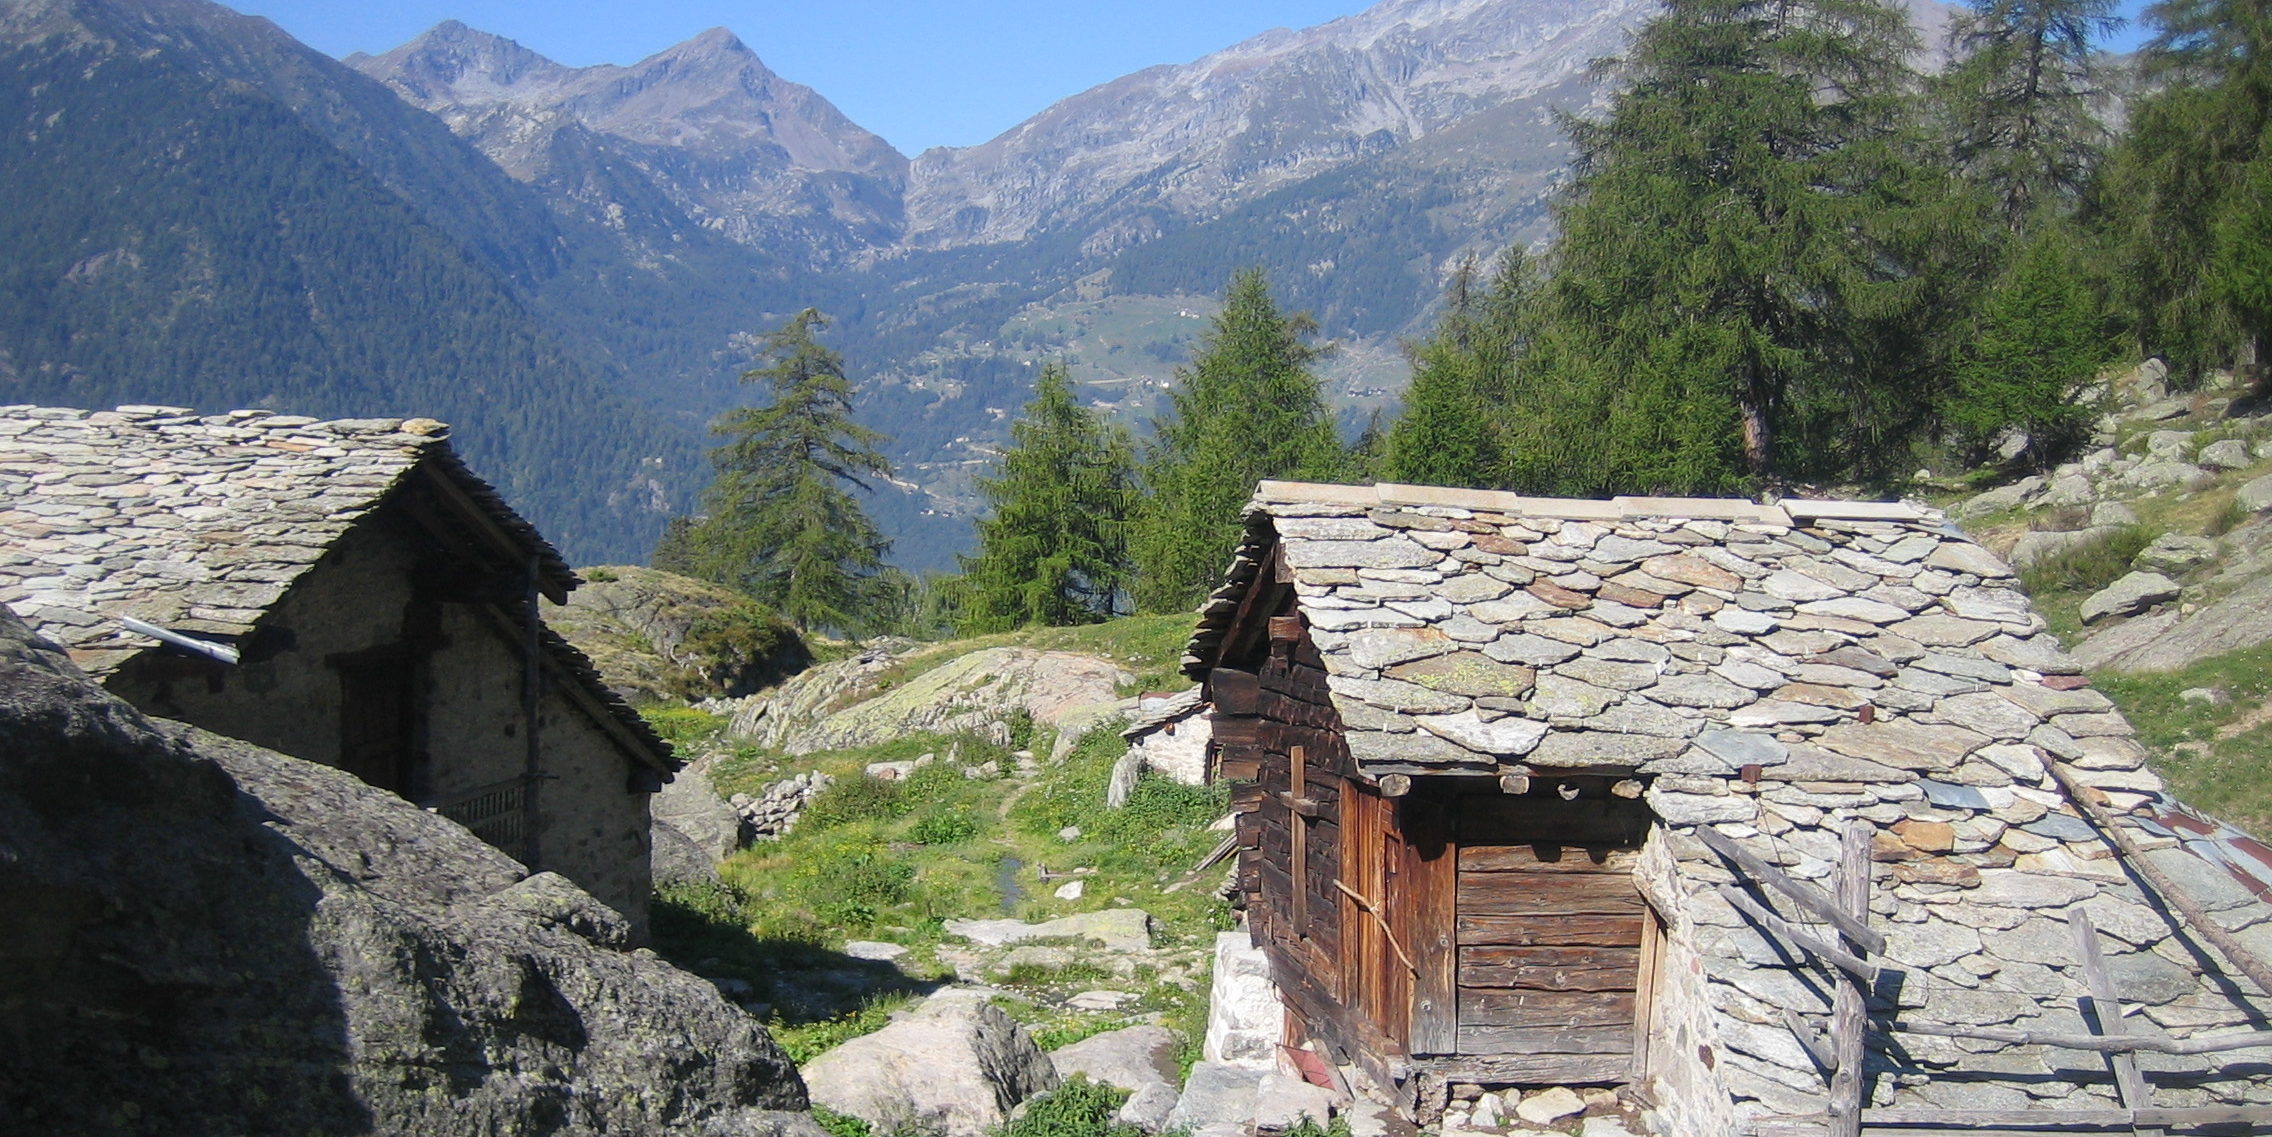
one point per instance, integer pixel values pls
(1783, 818)
(345, 592)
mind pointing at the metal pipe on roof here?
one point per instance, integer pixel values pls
(207, 648)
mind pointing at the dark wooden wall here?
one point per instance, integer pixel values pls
(1265, 718)
(1550, 925)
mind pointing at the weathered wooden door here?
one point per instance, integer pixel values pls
(1396, 911)
(1376, 977)
(378, 720)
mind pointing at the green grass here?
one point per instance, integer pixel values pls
(1079, 1108)
(893, 860)
(2089, 566)
(2215, 756)
(804, 1042)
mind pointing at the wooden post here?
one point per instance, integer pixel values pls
(1849, 1006)
(1299, 831)
(2128, 1082)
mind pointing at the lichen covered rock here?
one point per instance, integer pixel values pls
(207, 937)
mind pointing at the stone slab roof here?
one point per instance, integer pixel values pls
(199, 523)
(1777, 672)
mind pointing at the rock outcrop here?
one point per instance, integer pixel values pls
(857, 702)
(206, 937)
(956, 1065)
(658, 635)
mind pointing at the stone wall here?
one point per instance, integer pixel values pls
(593, 826)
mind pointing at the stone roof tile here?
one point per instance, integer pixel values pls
(203, 521)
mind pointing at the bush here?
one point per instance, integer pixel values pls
(948, 827)
(1079, 1108)
(855, 799)
(2089, 566)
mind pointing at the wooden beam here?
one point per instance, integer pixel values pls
(2225, 942)
(1838, 957)
(1396, 785)
(1847, 1092)
(1299, 868)
(1514, 783)
(1811, 1040)
(1806, 896)
(2039, 1117)
(1534, 1068)
(2128, 1082)
(2131, 1043)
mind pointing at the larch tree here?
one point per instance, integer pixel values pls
(1730, 290)
(1246, 409)
(1053, 549)
(1453, 429)
(2021, 103)
(782, 522)
(2037, 342)
(2189, 186)
(2023, 137)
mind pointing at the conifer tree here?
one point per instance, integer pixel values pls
(1054, 550)
(782, 521)
(2037, 343)
(1246, 409)
(2021, 100)
(2189, 184)
(1730, 287)
(1454, 430)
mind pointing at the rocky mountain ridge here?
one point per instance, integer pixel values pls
(731, 146)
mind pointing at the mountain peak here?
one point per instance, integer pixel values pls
(717, 39)
(451, 56)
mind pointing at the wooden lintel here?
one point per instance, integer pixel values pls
(1806, 896)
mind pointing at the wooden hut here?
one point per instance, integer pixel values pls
(1676, 795)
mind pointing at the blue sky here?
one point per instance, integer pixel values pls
(922, 73)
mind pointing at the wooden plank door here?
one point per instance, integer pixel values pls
(1425, 899)
(1377, 924)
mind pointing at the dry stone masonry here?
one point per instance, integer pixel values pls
(196, 523)
(1774, 673)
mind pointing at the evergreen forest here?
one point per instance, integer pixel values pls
(1786, 261)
